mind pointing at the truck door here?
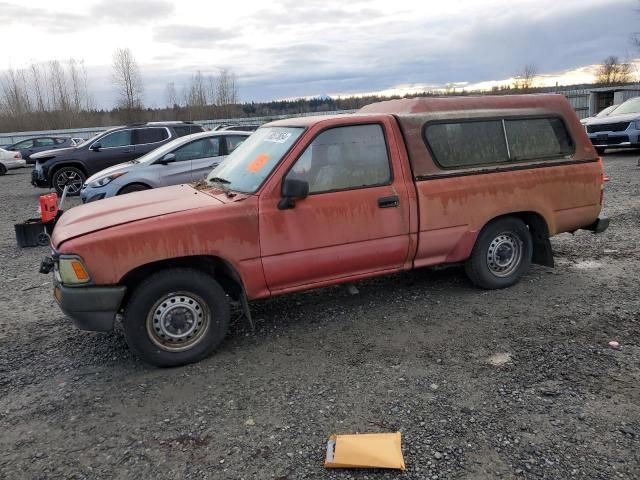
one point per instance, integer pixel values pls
(355, 220)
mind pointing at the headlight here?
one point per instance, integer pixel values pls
(72, 270)
(102, 181)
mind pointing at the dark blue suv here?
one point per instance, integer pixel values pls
(72, 166)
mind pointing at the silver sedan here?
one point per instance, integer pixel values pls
(186, 159)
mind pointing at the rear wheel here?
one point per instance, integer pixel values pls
(3, 169)
(72, 176)
(135, 187)
(600, 150)
(501, 255)
(177, 316)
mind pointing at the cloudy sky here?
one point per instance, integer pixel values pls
(292, 48)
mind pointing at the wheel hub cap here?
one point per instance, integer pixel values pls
(504, 254)
(70, 178)
(178, 321)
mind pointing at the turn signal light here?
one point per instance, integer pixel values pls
(78, 268)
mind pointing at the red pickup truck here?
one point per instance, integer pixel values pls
(316, 201)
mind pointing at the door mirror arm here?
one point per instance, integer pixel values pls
(292, 190)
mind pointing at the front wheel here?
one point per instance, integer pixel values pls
(600, 150)
(177, 316)
(3, 169)
(501, 255)
(71, 176)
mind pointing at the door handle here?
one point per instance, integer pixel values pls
(389, 202)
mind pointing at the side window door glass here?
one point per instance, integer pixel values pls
(144, 136)
(344, 158)
(191, 150)
(233, 141)
(24, 144)
(45, 142)
(116, 139)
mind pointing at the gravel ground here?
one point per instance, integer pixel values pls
(518, 383)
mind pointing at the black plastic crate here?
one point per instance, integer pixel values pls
(32, 233)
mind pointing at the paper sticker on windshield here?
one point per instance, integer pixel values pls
(258, 163)
(278, 137)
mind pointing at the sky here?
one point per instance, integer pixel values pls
(301, 48)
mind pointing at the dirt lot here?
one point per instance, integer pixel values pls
(517, 383)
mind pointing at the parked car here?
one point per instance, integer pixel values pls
(72, 166)
(618, 129)
(10, 160)
(39, 144)
(315, 201)
(602, 113)
(183, 160)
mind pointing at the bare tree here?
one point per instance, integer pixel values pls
(613, 71)
(15, 98)
(127, 79)
(171, 95)
(38, 86)
(525, 78)
(226, 88)
(198, 91)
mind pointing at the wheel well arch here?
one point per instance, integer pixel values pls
(537, 225)
(220, 269)
(132, 184)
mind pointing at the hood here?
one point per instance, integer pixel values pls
(131, 207)
(613, 118)
(107, 171)
(52, 153)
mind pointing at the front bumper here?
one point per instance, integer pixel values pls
(38, 180)
(626, 139)
(91, 308)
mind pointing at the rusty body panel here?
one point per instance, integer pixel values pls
(227, 229)
(340, 236)
(336, 235)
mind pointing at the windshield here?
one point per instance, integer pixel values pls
(607, 111)
(89, 140)
(630, 106)
(249, 164)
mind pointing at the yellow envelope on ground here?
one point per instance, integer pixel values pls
(368, 450)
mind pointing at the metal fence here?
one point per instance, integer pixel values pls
(10, 138)
(579, 100)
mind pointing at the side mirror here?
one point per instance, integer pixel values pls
(168, 158)
(293, 190)
(96, 147)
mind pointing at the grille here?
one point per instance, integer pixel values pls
(608, 127)
(610, 140)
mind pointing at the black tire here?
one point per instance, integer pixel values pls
(151, 330)
(134, 187)
(490, 265)
(600, 150)
(3, 169)
(72, 175)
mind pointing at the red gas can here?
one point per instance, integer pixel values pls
(48, 207)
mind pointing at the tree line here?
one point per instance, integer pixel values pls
(56, 95)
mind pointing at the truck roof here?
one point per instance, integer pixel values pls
(413, 113)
